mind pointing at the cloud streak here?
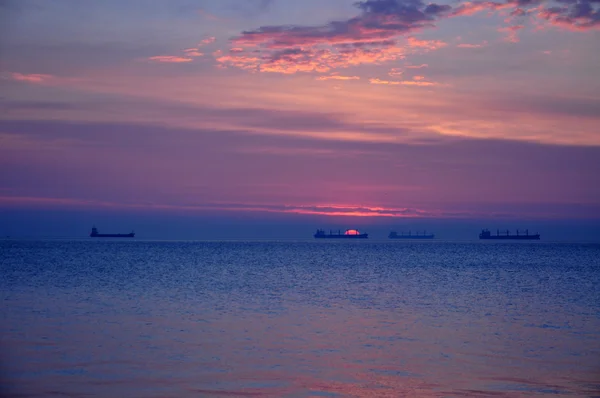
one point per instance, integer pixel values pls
(399, 180)
(338, 77)
(192, 52)
(417, 82)
(188, 54)
(327, 210)
(31, 78)
(172, 59)
(473, 45)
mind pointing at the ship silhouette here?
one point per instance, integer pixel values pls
(349, 234)
(95, 234)
(394, 235)
(486, 234)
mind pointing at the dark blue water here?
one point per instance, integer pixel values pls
(299, 319)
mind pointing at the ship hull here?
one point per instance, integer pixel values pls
(112, 235)
(511, 237)
(412, 237)
(361, 236)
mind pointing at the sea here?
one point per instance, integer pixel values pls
(130, 318)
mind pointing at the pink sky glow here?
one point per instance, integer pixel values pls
(376, 108)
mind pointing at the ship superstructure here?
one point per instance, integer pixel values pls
(409, 235)
(486, 234)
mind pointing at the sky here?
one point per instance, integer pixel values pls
(263, 115)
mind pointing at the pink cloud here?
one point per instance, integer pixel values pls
(511, 32)
(395, 72)
(470, 8)
(241, 61)
(373, 36)
(192, 52)
(290, 61)
(369, 38)
(31, 78)
(293, 60)
(426, 44)
(338, 77)
(575, 15)
(208, 40)
(472, 45)
(386, 82)
(170, 59)
(402, 83)
(419, 83)
(416, 66)
(333, 210)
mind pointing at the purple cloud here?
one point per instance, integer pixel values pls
(371, 37)
(578, 15)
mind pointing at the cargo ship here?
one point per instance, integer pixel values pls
(486, 234)
(394, 235)
(95, 234)
(349, 234)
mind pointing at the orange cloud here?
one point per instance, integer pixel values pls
(387, 82)
(31, 78)
(291, 66)
(419, 83)
(170, 59)
(355, 211)
(429, 45)
(293, 60)
(338, 77)
(240, 61)
(416, 82)
(418, 77)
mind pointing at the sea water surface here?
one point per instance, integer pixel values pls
(120, 318)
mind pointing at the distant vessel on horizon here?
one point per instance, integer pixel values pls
(486, 234)
(349, 234)
(394, 235)
(95, 234)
